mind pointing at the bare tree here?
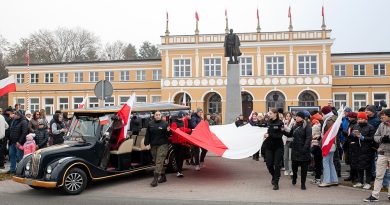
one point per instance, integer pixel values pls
(149, 51)
(3, 44)
(115, 51)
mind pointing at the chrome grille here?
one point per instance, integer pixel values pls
(36, 158)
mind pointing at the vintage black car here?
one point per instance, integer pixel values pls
(84, 155)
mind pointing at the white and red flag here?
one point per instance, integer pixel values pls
(330, 135)
(227, 141)
(7, 85)
(184, 102)
(124, 113)
(103, 120)
(83, 103)
(323, 11)
(196, 16)
(289, 11)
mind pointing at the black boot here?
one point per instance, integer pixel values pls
(276, 186)
(303, 186)
(155, 179)
(294, 181)
(162, 179)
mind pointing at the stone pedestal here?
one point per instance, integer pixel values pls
(233, 94)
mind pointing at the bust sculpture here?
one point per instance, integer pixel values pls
(232, 47)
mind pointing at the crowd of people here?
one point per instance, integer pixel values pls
(295, 140)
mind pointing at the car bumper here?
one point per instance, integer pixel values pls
(33, 182)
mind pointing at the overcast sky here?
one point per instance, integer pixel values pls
(358, 25)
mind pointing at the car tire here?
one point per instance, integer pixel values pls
(172, 165)
(75, 181)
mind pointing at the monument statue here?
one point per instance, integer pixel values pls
(232, 47)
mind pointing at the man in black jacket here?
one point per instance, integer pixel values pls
(18, 133)
(195, 120)
(157, 134)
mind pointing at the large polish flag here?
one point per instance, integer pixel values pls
(330, 135)
(227, 141)
(7, 85)
(124, 114)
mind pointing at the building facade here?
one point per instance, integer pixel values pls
(278, 69)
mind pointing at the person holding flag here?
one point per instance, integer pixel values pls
(157, 134)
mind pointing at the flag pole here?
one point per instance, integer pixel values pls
(323, 18)
(258, 21)
(166, 29)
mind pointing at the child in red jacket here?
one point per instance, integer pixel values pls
(29, 146)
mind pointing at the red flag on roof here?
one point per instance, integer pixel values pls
(196, 16)
(258, 16)
(323, 11)
(289, 11)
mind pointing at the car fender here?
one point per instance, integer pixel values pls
(65, 164)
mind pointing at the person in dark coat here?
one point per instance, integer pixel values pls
(254, 121)
(372, 116)
(135, 125)
(58, 129)
(196, 117)
(240, 121)
(274, 147)
(300, 148)
(18, 133)
(351, 146)
(364, 133)
(41, 134)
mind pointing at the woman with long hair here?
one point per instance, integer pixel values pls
(289, 122)
(274, 147)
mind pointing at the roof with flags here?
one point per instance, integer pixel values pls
(138, 107)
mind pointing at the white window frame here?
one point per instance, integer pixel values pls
(73, 103)
(181, 70)
(359, 69)
(125, 77)
(119, 99)
(338, 73)
(59, 103)
(95, 77)
(49, 77)
(20, 78)
(63, 77)
(78, 77)
(145, 96)
(341, 93)
(379, 70)
(109, 77)
(51, 106)
(353, 100)
(213, 73)
(111, 103)
(151, 98)
(22, 105)
(245, 66)
(143, 74)
(386, 98)
(158, 77)
(265, 64)
(96, 104)
(31, 104)
(36, 78)
(310, 62)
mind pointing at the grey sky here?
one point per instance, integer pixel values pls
(358, 25)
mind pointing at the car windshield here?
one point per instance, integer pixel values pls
(86, 128)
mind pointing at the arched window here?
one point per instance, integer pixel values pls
(214, 104)
(247, 104)
(308, 98)
(179, 99)
(275, 99)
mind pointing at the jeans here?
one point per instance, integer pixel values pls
(287, 156)
(15, 155)
(386, 178)
(330, 175)
(274, 159)
(304, 167)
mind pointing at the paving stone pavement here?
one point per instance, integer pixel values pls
(222, 179)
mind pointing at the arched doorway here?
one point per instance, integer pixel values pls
(308, 98)
(213, 103)
(247, 104)
(178, 99)
(275, 99)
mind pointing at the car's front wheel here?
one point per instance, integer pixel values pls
(75, 181)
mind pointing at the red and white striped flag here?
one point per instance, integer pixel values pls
(323, 10)
(330, 135)
(289, 11)
(124, 113)
(7, 85)
(83, 103)
(196, 16)
(103, 120)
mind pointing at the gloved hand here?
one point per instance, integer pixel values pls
(385, 139)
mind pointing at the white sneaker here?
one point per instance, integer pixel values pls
(179, 174)
(286, 173)
(316, 181)
(197, 168)
(283, 169)
(358, 185)
(367, 186)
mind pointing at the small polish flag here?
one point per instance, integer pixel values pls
(124, 113)
(323, 12)
(184, 102)
(7, 85)
(196, 16)
(289, 11)
(82, 104)
(103, 120)
(258, 15)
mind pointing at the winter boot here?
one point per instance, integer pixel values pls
(155, 179)
(162, 179)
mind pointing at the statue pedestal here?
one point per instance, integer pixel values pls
(233, 94)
